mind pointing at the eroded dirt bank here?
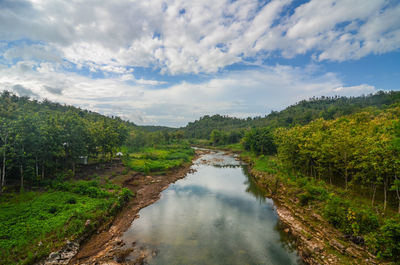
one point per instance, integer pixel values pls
(106, 246)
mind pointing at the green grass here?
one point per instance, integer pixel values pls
(159, 159)
(33, 224)
(236, 147)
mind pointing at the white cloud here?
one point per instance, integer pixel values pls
(203, 36)
(240, 93)
(112, 38)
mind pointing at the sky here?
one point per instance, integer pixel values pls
(168, 62)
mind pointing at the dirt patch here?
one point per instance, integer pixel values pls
(106, 247)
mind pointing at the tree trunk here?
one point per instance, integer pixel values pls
(1, 181)
(36, 167)
(385, 182)
(42, 170)
(346, 174)
(373, 194)
(73, 168)
(397, 193)
(398, 197)
(3, 175)
(22, 177)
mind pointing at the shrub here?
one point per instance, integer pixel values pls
(335, 211)
(367, 220)
(71, 200)
(389, 240)
(89, 188)
(351, 220)
(52, 209)
(305, 198)
(312, 192)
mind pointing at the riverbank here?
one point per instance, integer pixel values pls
(106, 245)
(34, 223)
(317, 241)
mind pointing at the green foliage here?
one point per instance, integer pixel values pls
(265, 164)
(40, 139)
(349, 218)
(219, 138)
(259, 141)
(139, 139)
(202, 128)
(312, 192)
(389, 239)
(300, 113)
(352, 150)
(49, 217)
(71, 200)
(161, 159)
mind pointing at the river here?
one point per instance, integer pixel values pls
(215, 215)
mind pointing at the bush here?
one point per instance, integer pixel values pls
(71, 200)
(89, 188)
(335, 211)
(312, 191)
(52, 209)
(368, 221)
(389, 240)
(305, 198)
(125, 194)
(351, 220)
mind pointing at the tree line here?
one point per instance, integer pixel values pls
(301, 113)
(39, 139)
(360, 149)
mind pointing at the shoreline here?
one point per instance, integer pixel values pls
(315, 240)
(106, 245)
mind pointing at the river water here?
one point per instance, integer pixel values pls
(215, 215)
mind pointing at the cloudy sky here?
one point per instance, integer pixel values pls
(167, 62)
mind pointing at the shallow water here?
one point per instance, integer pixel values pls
(216, 215)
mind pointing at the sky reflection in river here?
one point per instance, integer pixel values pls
(211, 217)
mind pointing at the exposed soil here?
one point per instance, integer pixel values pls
(106, 247)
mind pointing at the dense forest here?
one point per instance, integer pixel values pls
(39, 139)
(300, 113)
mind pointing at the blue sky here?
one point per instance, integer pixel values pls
(168, 62)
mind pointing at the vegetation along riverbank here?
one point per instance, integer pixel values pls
(74, 180)
(335, 181)
(67, 173)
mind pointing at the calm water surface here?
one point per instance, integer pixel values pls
(215, 215)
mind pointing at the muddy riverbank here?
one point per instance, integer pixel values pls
(104, 247)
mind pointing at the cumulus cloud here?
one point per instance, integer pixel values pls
(93, 53)
(178, 36)
(53, 90)
(238, 93)
(23, 91)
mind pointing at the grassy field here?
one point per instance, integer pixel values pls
(32, 224)
(159, 160)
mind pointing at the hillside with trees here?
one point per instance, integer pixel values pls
(39, 139)
(300, 113)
